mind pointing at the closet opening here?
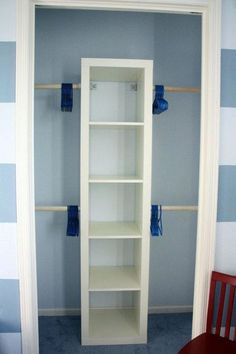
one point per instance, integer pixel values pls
(116, 150)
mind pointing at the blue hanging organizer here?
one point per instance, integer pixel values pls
(160, 104)
(156, 220)
(73, 220)
(66, 97)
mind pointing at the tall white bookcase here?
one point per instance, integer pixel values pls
(116, 140)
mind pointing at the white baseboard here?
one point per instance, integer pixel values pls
(151, 310)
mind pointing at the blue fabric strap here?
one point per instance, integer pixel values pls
(156, 220)
(160, 104)
(66, 97)
(73, 220)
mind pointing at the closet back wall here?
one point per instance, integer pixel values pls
(174, 43)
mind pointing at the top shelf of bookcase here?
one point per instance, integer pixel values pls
(116, 124)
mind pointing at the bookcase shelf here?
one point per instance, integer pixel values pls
(116, 124)
(121, 278)
(115, 179)
(114, 230)
(116, 140)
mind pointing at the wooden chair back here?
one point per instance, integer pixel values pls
(226, 305)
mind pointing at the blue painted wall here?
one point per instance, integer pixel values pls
(175, 142)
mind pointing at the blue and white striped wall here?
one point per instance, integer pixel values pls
(10, 337)
(226, 219)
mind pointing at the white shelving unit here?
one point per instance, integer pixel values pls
(116, 139)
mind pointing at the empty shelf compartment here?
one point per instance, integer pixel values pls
(115, 153)
(115, 253)
(116, 94)
(115, 202)
(113, 323)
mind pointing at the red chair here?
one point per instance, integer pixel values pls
(214, 343)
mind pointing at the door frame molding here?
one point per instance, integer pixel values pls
(209, 147)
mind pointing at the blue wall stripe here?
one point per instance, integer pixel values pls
(9, 306)
(227, 194)
(7, 193)
(228, 78)
(7, 71)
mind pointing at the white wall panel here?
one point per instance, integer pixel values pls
(227, 136)
(7, 133)
(225, 260)
(228, 39)
(10, 343)
(8, 251)
(8, 20)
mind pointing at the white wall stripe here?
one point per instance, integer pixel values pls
(228, 136)
(8, 251)
(225, 260)
(8, 20)
(7, 133)
(10, 343)
(228, 39)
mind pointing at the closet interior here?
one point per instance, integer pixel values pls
(113, 159)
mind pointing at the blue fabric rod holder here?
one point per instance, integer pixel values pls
(156, 220)
(160, 104)
(66, 97)
(73, 220)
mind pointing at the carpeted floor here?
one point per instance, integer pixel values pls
(167, 333)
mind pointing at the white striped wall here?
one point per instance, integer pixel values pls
(226, 231)
(10, 336)
(226, 226)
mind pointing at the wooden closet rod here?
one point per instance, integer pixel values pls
(78, 86)
(166, 208)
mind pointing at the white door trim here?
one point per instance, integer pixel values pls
(208, 176)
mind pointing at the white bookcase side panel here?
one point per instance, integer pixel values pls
(140, 97)
(147, 162)
(139, 152)
(84, 200)
(138, 259)
(139, 207)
